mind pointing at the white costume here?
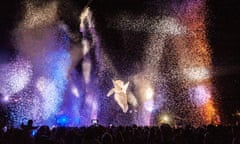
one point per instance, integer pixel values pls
(120, 94)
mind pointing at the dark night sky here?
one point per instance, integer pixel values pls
(224, 32)
(224, 40)
(223, 35)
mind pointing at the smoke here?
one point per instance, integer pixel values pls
(39, 39)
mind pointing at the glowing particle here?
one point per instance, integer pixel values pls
(197, 73)
(15, 76)
(49, 93)
(200, 95)
(40, 16)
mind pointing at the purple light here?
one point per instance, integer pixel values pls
(199, 95)
(6, 98)
(15, 76)
(149, 105)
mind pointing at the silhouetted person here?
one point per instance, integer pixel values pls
(27, 132)
(43, 135)
(29, 126)
(107, 138)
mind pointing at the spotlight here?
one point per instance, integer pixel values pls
(5, 98)
(149, 93)
(95, 122)
(63, 120)
(165, 119)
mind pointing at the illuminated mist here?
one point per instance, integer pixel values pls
(57, 82)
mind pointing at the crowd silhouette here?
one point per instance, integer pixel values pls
(98, 134)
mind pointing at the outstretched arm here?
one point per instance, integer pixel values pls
(110, 92)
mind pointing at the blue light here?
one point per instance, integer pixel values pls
(63, 120)
(77, 120)
(34, 132)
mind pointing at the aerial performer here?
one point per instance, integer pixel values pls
(120, 94)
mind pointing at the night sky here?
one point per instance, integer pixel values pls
(223, 36)
(224, 40)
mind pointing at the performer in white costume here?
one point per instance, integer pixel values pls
(120, 94)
